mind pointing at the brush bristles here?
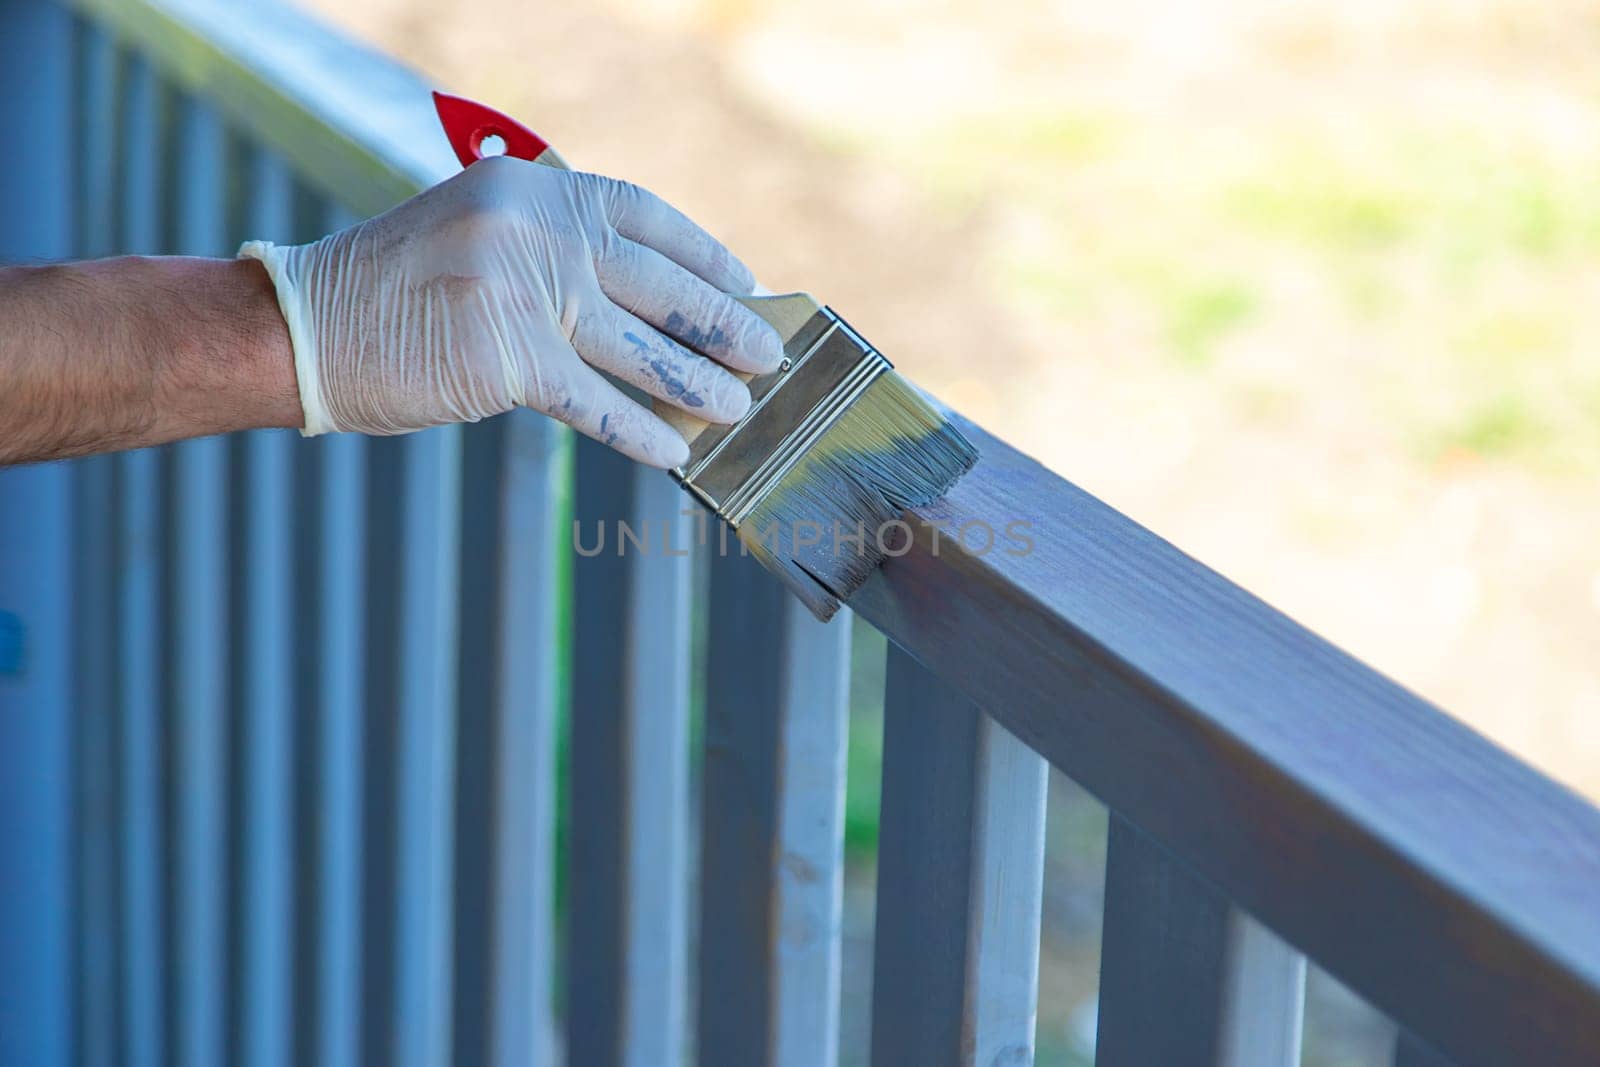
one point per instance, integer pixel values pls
(889, 451)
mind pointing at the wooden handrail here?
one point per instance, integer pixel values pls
(1451, 884)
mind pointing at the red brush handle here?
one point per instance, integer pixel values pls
(467, 123)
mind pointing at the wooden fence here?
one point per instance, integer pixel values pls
(278, 749)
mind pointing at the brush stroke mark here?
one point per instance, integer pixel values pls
(671, 384)
(609, 438)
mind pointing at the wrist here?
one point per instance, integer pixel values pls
(224, 362)
(266, 355)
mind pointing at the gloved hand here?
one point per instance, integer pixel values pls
(510, 284)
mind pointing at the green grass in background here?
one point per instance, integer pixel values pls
(864, 757)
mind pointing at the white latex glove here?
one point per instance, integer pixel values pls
(510, 284)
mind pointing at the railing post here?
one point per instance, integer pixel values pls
(425, 764)
(95, 594)
(508, 670)
(341, 570)
(1008, 896)
(145, 845)
(265, 578)
(527, 645)
(960, 868)
(1184, 976)
(199, 614)
(629, 767)
(772, 803)
(36, 577)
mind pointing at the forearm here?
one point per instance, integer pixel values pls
(124, 353)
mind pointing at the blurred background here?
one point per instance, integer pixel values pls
(1312, 288)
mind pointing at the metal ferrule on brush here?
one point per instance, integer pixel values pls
(827, 366)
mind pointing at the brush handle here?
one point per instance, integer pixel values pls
(468, 124)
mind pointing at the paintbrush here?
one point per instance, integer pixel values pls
(835, 445)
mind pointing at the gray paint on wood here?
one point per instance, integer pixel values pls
(1184, 976)
(95, 588)
(507, 673)
(738, 804)
(960, 880)
(380, 552)
(95, 592)
(140, 735)
(527, 644)
(267, 511)
(143, 849)
(629, 769)
(772, 804)
(200, 613)
(476, 664)
(925, 865)
(597, 842)
(340, 577)
(425, 764)
(655, 667)
(1442, 879)
(1162, 949)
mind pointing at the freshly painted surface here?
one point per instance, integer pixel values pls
(1450, 884)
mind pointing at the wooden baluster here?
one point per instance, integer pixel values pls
(264, 576)
(378, 552)
(960, 868)
(626, 939)
(95, 593)
(1184, 976)
(773, 816)
(425, 769)
(534, 453)
(338, 463)
(142, 620)
(509, 664)
(199, 613)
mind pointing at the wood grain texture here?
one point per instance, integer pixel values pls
(772, 822)
(1446, 881)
